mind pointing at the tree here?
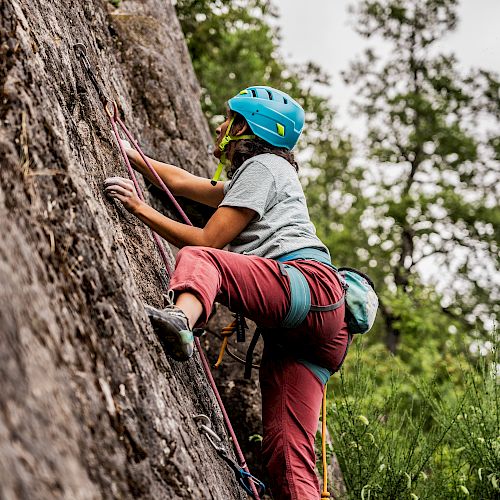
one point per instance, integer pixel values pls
(427, 195)
(234, 44)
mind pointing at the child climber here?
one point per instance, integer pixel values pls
(275, 271)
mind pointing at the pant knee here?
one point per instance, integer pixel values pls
(187, 253)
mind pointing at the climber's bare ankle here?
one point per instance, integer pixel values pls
(190, 306)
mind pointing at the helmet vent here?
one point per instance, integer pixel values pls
(254, 94)
(269, 94)
(284, 100)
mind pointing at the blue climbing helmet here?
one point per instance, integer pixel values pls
(271, 114)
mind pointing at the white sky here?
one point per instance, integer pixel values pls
(321, 31)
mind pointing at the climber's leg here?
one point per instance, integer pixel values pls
(246, 284)
(291, 401)
(250, 285)
(190, 305)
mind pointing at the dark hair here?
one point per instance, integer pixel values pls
(247, 148)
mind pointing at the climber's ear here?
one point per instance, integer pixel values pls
(239, 126)
(242, 128)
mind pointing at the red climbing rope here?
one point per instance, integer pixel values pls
(132, 175)
(114, 119)
(81, 52)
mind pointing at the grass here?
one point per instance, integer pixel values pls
(399, 436)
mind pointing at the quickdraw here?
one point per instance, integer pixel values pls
(111, 110)
(237, 326)
(244, 478)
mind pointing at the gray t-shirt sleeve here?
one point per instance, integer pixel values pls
(253, 187)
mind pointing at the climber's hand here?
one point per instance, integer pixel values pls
(123, 190)
(126, 145)
(132, 154)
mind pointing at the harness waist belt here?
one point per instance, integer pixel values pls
(300, 294)
(308, 254)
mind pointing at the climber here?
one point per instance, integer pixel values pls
(261, 216)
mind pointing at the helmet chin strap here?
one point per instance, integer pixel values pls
(222, 147)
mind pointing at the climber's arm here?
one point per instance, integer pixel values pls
(180, 182)
(224, 225)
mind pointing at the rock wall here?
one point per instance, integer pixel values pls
(90, 407)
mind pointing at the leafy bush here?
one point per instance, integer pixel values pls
(474, 440)
(399, 435)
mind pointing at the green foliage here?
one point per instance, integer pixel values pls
(231, 44)
(234, 44)
(404, 433)
(423, 117)
(426, 194)
(475, 438)
(382, 438)
(115, 3)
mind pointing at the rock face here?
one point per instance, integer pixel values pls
(90, 407)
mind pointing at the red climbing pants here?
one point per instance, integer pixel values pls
(291, 393)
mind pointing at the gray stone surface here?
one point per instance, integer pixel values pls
(90, 407)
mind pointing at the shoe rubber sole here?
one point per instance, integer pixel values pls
(177, 343)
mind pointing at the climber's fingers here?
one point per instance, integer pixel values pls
(129, 150)
(126, 145)
(122, 190)
(119, 197)
(119, 181)
(114, 190)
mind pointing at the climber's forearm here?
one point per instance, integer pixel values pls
(174, 232)
(224, 225)
(180, 182)
(171, 175)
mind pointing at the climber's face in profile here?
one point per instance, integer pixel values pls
(239, 126)
(221, 131)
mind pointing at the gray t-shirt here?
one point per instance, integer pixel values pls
(269, 185)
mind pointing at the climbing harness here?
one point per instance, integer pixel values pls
(300, 303)
(228, 350)
(300, 306)
(111, 110)
(300, 300)
(237, 326)
(244, 478)
(226, 332)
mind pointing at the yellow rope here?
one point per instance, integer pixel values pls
(227, 331)
(324, 493)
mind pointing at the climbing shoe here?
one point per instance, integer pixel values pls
(172, 328)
